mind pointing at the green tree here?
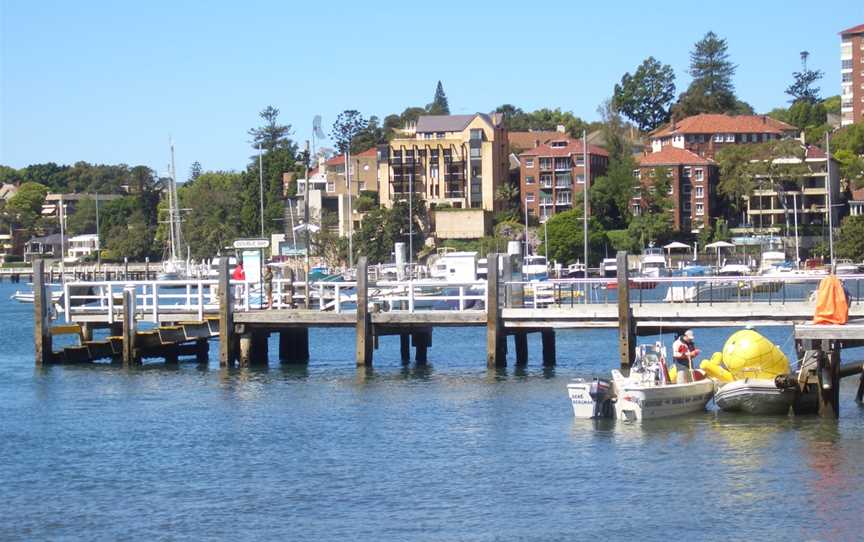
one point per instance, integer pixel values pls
(654, 223)
(610, 194)
(832, 104)
(849, 242)
(804, 114)
(348, 124)
(127, 229)
(213, 220)
(851, 167)
(382, 228)
(566, 237)
(645, 96)
(271, 135)
(368, 137)
(736, 182)
(850, 138)
(802, 89)
(711, 90)
(25, 207)
(439, 105)
(83, 220)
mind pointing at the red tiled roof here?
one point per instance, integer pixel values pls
(707, 123)
(574, 146)
(672, 156)
(529, 140)
(815, 153)
(858, 195)
(854, 30)
(340, 158)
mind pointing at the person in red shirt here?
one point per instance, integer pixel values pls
(239, 273)
(684, 350)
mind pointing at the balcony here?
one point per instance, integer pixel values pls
(546, 202)
(546, 183)
(564, 201)
(454, 194)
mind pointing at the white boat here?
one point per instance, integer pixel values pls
(847, 267)
(535, 268)
(576, 270)
(653, 263)
(28, 297)
(645, 393)
(609, 268)
(754, 396)
(173, 266)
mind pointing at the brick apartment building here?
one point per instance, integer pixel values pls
(693, 186)
(706, 134)
(553, 174)
(852, 75)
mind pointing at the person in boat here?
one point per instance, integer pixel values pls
(684, 350)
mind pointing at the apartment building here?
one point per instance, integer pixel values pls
(693, 187)
(852, 75)
(553, 175)
(458, 160)
(706, 134)
(806, 196)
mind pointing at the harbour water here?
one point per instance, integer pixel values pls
(449, 451)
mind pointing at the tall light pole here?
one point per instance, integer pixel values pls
(98, 237)
(526, 225)
(830, 186)
(585, 172)
(261, 186)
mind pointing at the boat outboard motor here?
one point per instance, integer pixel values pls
(601, 392)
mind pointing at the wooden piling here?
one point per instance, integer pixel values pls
(42, 324)
(496, 343)
(626, 323)
(246, 349)
(547, 337)
(202, 351)
(226, 317)
(520, 339)
(364, 322)
(405, 347)
(422, 340)
(86, 331)
(131, 355)
(261, 348)
(828, 371)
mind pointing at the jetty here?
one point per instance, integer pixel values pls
(174, 319)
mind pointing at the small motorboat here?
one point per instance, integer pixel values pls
(754, 396)
(647, 392)
(28, 297)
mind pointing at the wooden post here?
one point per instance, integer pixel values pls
(86, 331)
(521, 341)
(226, 316)
(364, 323)
(202, 351)
(548, 338)
(405, 347)
(131, 356)
(422, 340)
(626, 337)
(41, 323)
(829, 380)
(125, 268)
(496, 343)
(261, 348)
(246, 345)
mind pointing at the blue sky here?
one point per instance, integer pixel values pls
(108, 82)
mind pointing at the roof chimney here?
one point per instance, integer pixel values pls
(560, 128)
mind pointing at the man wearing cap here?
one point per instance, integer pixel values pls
(684, 350)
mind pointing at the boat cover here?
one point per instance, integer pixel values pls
(832, 305)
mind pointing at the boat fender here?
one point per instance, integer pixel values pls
(785, 382)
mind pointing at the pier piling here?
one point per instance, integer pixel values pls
(294, 345)
(364, 322)
(547, 336)
(405, 347)
(626, 323)
(42, 325)
(496, 344)
(521, 341)
(131, 355)
(226, 317)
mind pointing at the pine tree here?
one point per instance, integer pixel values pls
(439, 105)
(802, 88)
(711, 90)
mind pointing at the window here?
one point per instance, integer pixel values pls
(331, 186)
(637, 174)
(558, 144)
(439, 135)
(545, 163)
(700, 209)
(698, 172)
(529, 162)
(637, 209)
(718, 138)
(475, 152)
(686, 171)
(529, 179)
(562, 163)
(580, 179)
(529, 197)
(846, 64)
(700, 192)
(563, 180)
(546, 180)
(846, 77)
(730, 138)
(476, 133)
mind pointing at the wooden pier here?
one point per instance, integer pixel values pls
(221, 310)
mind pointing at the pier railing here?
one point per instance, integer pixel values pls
(160, 300)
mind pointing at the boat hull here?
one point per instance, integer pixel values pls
(637, 402)
(754, 396)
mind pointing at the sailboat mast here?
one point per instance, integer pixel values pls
(171, 205)
(175, 211)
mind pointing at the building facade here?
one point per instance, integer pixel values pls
(553, 175)
(457, 160)
(852, 75)
(693, 189)
(804, 198)
(706, 134)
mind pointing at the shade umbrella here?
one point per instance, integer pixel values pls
(718, 245)
(674, 245)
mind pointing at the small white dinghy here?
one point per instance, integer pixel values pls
(754, 396)
(646, 393)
